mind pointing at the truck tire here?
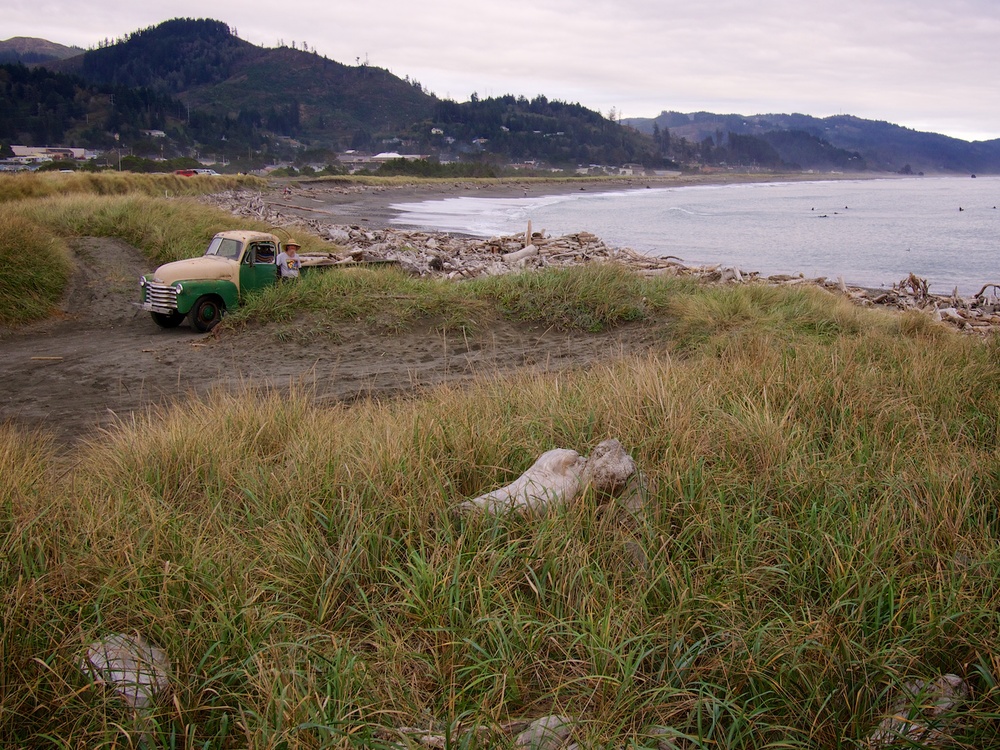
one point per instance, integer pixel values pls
(167, 320)
(206, 313)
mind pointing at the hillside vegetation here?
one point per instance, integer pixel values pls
(251, 94)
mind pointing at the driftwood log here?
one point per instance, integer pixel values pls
(558, 478)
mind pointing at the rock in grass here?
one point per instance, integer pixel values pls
(546, 733)
(132, 667)
(921, 715)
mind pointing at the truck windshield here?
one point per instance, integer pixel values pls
(224, 248)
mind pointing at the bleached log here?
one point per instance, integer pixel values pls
(924, 715)
(731, 273)
(558, 477)
(527, 252)
(553, 479)
(982, 292)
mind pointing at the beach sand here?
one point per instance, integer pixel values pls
(346, 201)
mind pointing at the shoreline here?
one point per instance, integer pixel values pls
(356, 216)
(366, 203)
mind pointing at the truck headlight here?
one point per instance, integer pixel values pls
(179, 288)
(142, 281)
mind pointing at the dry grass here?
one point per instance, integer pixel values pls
(35, 264)
(27, 185)
(35, 267)
(823, 527)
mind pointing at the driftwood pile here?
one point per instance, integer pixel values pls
(439, 254)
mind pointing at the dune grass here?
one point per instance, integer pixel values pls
(41, 212)
(163, 230)
(156, 214)
(588, 298)
(821, 526)
(26, 185)
(35, 261)
(584, 298)
(35, 266)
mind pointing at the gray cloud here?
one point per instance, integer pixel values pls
(919, 63)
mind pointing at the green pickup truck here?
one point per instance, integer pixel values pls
(203, 289)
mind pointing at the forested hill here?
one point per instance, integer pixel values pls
(173, 57)
(42, 107)
(204, 64)
(258, 92)
(519, 129)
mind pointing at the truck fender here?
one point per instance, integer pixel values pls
(192, 291)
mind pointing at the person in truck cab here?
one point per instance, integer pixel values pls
(288, 262)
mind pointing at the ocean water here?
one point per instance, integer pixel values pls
(873, 233)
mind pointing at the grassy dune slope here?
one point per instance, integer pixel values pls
(821, 527)
(39, 213)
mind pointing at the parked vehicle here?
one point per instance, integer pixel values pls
(204, 289)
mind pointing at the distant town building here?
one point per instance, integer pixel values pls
(47, 153)
(392, 156)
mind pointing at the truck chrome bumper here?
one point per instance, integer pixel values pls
(159, 298)
(151, 307)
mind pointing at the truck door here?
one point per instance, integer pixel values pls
(258, 269)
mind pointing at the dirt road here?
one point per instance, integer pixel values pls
(104, 358)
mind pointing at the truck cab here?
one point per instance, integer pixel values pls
(203, 289)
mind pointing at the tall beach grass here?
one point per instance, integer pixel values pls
(821, 526)
(26, 185)
(35, 266)
(157, 214)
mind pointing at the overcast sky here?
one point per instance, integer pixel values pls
(926, 64)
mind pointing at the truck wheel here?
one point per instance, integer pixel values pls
(167, 320)
(206, 313)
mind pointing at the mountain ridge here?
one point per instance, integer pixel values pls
(214, 92)
(30, 50)
(883, 145)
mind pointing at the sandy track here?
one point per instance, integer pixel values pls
(102, 358)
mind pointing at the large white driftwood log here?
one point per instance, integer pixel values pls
(557, 478)
(528, 252)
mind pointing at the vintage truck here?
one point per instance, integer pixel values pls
(204, 289)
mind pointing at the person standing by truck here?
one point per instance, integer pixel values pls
(288, 262)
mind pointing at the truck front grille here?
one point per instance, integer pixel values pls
(161, 295)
